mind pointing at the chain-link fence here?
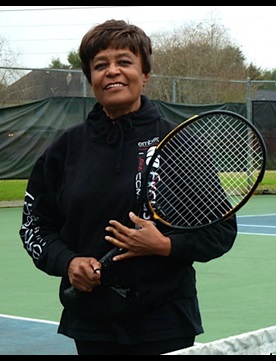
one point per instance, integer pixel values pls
(19, 86)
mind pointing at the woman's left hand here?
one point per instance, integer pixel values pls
(144, 241)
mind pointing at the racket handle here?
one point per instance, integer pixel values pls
(71, 293)
(106, 260)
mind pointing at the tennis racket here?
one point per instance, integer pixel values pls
(201, 173)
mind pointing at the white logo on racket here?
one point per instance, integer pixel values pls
(150, 153)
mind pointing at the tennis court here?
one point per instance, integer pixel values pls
(236, 292)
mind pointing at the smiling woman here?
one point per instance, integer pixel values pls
(79, 204)
(88, 177)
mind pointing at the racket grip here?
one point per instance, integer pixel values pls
(71, 293)
(106, 260)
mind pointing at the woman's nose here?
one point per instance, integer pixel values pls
(113, 69)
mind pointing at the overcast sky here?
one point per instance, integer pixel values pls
(37, 34)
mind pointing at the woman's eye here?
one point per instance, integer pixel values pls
(100, 66)
(120, 63)
(124, 62)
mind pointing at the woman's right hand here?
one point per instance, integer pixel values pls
(84, 273)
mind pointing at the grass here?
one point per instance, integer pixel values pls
(14, 189)
(269, 179)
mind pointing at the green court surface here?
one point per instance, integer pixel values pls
(236, 292)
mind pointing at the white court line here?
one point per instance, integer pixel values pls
(257, 234)
(255, 225)
(257, 215)
(29, 319)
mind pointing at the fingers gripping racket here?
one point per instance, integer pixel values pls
(201, 173)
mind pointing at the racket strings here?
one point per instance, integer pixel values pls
(206, 169)
(180, 193)
(241, 155)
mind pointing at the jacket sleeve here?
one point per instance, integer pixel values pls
(41, 219)
(205, 244)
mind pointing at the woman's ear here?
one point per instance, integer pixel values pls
(146, 79)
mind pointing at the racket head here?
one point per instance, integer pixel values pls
(204, 170)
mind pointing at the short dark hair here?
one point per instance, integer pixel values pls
(118, 34)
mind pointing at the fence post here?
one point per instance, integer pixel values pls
(248, 99)
(173, 90)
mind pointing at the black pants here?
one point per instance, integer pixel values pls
(150, 348)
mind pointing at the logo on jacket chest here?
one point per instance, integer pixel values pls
(145, 151)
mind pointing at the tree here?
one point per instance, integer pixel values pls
(57, 64)
(73, 60)
(202, 59)
(195, 63)
(268, 75)
(8, 59)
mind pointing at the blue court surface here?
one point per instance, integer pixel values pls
(23, 336)
(264, 224)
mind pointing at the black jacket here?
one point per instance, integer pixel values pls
(89, 175)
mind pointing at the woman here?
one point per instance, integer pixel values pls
(79, 202)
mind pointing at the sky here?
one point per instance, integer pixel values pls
(38, 34)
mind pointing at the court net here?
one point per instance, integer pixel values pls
(259, 342)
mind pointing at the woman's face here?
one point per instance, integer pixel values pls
(118, 80)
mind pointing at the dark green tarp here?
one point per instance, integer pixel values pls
(26, 130)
